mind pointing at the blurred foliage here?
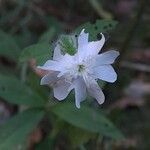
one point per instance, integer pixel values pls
(40, 52)
(14, 133)
(7, 44)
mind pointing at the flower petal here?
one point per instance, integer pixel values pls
(106, 58)
(95, 91)
(105, 72)
(80, 91)
(51, 65)
(61, 89)
(83, 38)
(57, 53)
(90, 49)
(50, 78)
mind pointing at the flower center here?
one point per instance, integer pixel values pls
(81, 68)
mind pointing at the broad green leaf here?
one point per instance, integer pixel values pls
(13, 91)
(88, 119)
(79, 136)
(15, 131)
(34, 82)
(76, 135)
(8, 46)
(95, 29)
(40, 52)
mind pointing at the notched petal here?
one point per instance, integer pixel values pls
(83, 38)
(91, 49)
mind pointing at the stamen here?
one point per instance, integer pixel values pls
(81, 68)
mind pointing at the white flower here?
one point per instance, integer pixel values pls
(80, 71)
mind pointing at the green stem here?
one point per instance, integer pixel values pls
(24, 72)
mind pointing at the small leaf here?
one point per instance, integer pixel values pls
(13, 91)
(67, 44)
(95, 29)
(40, 52)
(8, 46)
(88, 119)
(14, 132)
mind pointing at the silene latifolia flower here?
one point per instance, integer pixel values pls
(81, 70)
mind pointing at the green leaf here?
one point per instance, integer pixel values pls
(15, 131)
(40, 52)
(8, 46)
(95, 29)
(13, 91)
(88, 119)
(78, 136)
(67, 44)
(34, 82)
